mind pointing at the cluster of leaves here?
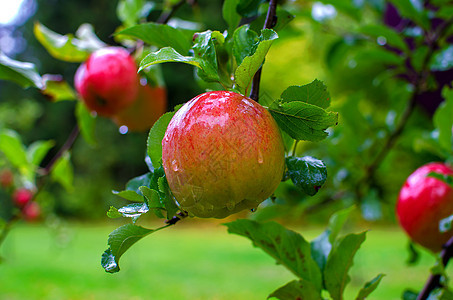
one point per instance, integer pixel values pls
(322, 264)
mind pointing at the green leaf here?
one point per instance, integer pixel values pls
(392, 37)
(137, 182)
(443, 120)
(167, 198)
(338, 263)
(248, 8)
(153, 200)
(155, 137)
(63, 173)
(22, 73)
(244, 42)
(445, 224)
(303, 121)
(409, 295)
(13, 149)
(67, 47)
(230, 14)
(287, 247)
(113, 213)
(307, 173)
(442, 60)
(314, 93)
(131, 11)
(322, 245)
(87, 123)
(250, 64)
(129, 195)
(57, 89)
(297, 289)
(205, 48)
(38, 150)
(119, 241)
(168, 54)
(369, 287)
(161, 35)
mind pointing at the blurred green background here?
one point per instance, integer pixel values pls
(59, 258)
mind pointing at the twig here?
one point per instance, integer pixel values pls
(176, 219)
(268, 23)
(166, 16)
(434, 280)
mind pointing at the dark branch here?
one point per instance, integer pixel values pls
(176, 219)
(268, 23)
(434, 280)
(166, 15)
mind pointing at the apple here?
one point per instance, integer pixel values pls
(22, 196)
(107, 82)
(31, 212)
(423, 201)
(150, 104)
(6, 178)
(222, 153)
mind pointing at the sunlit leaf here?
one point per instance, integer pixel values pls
(86, 122)
(297, 289)
(22, 73)
(369, 287)
(314, 93)
(57, 89)
(63, 173)
(155, 137)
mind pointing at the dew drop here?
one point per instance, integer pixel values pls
(174, 165)
(260, 157)
(230, 205)
(123, 129)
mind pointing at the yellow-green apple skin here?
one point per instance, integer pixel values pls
(222, 153)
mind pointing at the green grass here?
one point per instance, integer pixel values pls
(183, 262)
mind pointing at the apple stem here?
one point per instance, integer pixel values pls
(434, 280)
(271, 20)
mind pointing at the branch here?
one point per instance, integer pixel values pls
(166, 15)
(434, 280)
(271, 20)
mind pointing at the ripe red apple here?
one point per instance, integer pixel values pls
(222, 153)
(31, 212)
(6, 178)
(22, 196)
(107, 81)
(150, 104)
(424, 201)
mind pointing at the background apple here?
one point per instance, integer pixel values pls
(150, 104)
(32, 211)
(424, 201)
(107, 81)
(222, 153)
(22, 196)
(6, 178)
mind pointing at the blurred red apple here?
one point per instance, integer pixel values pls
(6, 178)
(32, 211)
(22, 196)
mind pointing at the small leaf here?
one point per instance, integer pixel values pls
(63, 173)
(205, 48)
(369, 287)
(65, 47)
(322, 245)
(155, 137)
(113, 213)
(86, 122)
(338, 263)
(248, 8)
(38, 150)
(153, 200)
(137, 182)
(119, 241)
(161, 35)
(167, 198)
(57, 89)
(303, 121)
(244, 42)
(307, 173)
(409, 295)
(445, 224)
(250, 64)
(22, 73)
(443, 120)
(230, 14)
(129, 195)
(314, 93)
(414, 254)
(297, 289)
(131, 11)
(168, 54)
(14, 151)
(287, 247)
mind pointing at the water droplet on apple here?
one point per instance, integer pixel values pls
(174, 165)
(260, 157)
(230, 205)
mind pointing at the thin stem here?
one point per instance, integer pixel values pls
(268, 23)
(166, 16)
(434, 280)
